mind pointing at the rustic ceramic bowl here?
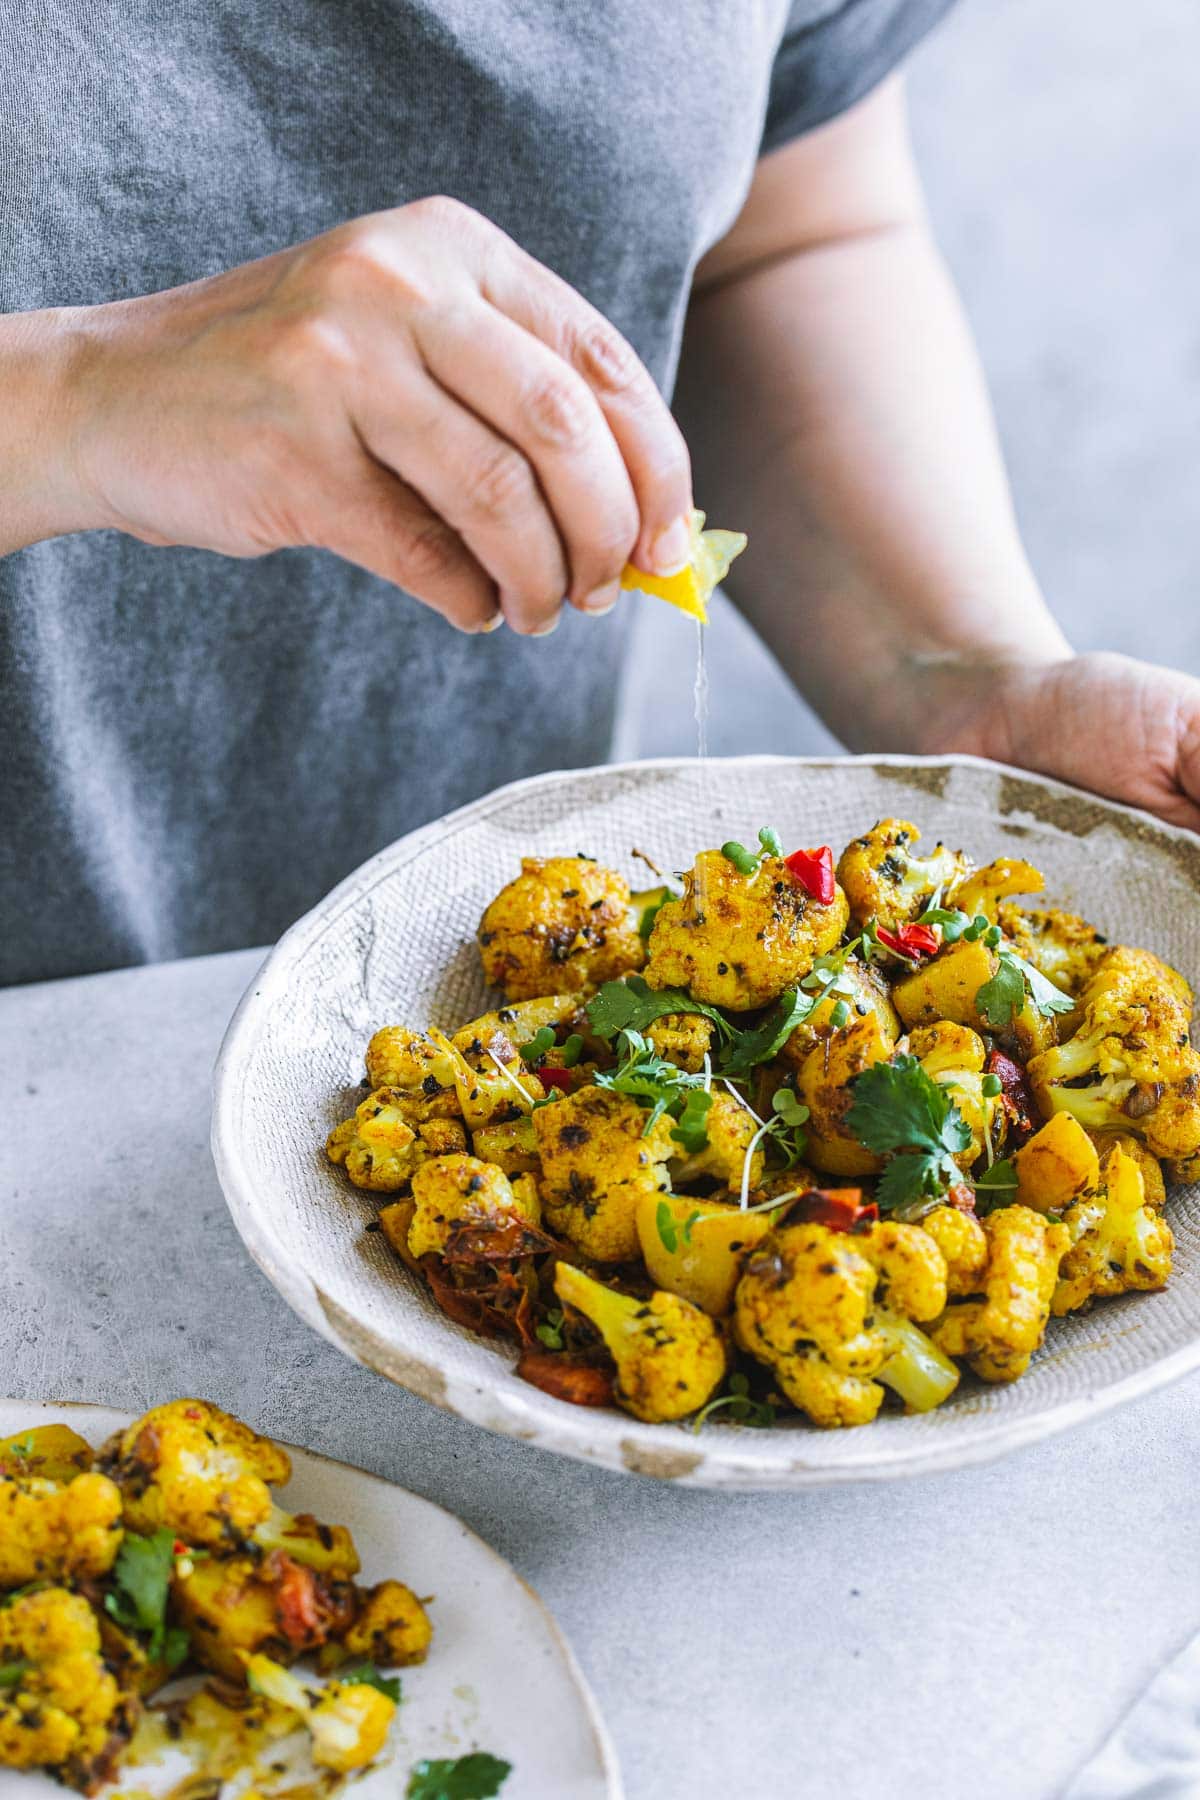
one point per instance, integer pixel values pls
(394, 943)
(474, 1692)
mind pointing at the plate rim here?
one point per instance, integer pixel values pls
(721, 1464)
(597, 1725)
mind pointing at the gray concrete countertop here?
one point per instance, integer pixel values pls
(970, 1634)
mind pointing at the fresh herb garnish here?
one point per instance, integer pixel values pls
(899, 1112)
(570, 1052)
(670, 1229)
(742, 1409)
(21, 1447)
(999, 1183)
(633, 1005)
(474, 1777)
(762, 1042)
(365, 1674)
(538, 1046)
(990, 1086)
(1002, 998)
(646, 1076)
(771, 841)
(549, 1332)
(743, 860)
(13, 1672)
(141, 1582)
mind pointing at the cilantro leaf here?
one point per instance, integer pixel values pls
(664, 1220)
(365, 1674)
(632, 1005)
(761, 1043)
(11, 1673)
(691, 1128)
(999, 1184)
(141, 1582)
(742, 1408)
(899, 1112)
(474, 1777)
(1003, 997)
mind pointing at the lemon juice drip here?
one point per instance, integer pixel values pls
(700, 695)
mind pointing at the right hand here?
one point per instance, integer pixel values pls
(411, 391)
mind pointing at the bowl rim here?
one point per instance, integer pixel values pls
(555, 1425)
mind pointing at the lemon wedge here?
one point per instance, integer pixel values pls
(690, 588)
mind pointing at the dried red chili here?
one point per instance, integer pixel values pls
(813, 869)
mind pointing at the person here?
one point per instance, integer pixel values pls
(334, 339)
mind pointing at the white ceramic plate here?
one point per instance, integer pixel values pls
(394, 943)
(500, 1675)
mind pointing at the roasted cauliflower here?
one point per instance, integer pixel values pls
(669, 1355)
(999, 1333)
(415, 1069)
(390, 1628)
(347, 1721)
(1118, 1241)
(738, 940)
(61, 1708)
(731, 1128)
(598, 1159)
(1131, 1066)
(453, 1190)
(57, 1531)
(564, 924)
(824, 1086)
(683, 1038)
(884, 878)
(381, 1150)
(1064, 947)
(807, 1306)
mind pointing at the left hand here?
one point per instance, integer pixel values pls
(1126, 729)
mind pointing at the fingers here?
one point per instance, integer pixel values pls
(648, 438)
(543, 407)
(479, 483)
(381, 525)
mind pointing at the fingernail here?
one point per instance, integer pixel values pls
(494, 623)
(671, 549)
(552, 625)
(602, 600)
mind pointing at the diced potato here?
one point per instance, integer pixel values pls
(1057, 1164)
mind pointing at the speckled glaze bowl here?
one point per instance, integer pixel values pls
(394, 943)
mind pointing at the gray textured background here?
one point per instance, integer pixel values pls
(1060, 148)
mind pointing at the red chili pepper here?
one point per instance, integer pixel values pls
(1018, 1101)
(838, 1209)
(179, 1548)
(556, 1078)
(962, 1198)
(913, 941)
(813, 869)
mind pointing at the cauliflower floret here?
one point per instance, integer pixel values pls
(391, 1628)
(412, 1066)
(491, 1081)
(192, 1468)
(954, 1057)
(730, 1127)
(598, 1159)
(381, 1150)
(886, 881)
(65, 1711)
(669, 1356)
(1152, 1170)
(824, 1085)
(963, 1243)
(1061, 945)
(739, 940)
(983, 890)
(53, 1530)
(1118, 1242)
(862, 989)
(510, 1144)
(999, 1333)
(347, 1721)
(810, 1306)
(563, 925)
(454, 1190)
(1130, 1066)
(683, 1038)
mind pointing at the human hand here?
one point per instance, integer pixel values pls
(1126, 729)
(411, 391)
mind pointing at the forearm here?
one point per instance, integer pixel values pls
(40, 495)
(836, 412)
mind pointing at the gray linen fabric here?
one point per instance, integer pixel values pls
(193, 749)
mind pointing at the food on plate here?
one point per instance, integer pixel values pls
(800, 1131)
(165, 1553)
